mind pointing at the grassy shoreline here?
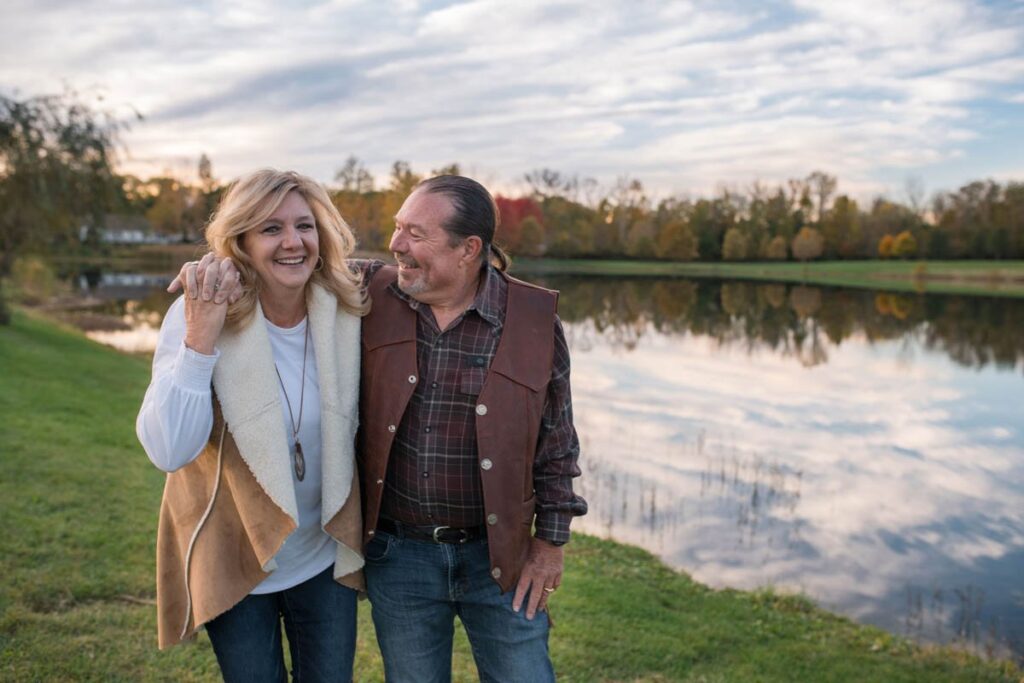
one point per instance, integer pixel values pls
(79, 501)
(984, 278)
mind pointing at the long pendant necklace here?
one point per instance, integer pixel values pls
(299, 460)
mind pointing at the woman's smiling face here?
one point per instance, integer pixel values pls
(284, 249)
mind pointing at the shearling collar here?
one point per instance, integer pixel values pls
(247, 389)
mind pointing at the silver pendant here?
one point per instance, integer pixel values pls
(300, 462)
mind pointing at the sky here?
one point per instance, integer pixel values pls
(687, 97)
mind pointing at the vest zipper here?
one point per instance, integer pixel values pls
(195, 534)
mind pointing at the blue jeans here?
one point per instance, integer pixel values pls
(319, 618)
(417, 588)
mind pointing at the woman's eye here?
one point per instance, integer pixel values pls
(269, 229)
(306, 226)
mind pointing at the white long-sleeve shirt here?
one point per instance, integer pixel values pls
(176, 417)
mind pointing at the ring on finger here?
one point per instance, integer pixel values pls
(549, 591)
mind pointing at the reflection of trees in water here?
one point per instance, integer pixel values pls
(114, 293)
(793, 320)
(134, 314)
(754, 493)
(940, 615)
(621, 500)
(620, 315)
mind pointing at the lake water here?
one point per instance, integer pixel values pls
(863, 448)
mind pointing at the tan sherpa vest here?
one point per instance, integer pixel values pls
(226, 514)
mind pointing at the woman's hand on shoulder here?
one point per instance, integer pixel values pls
(209, 285)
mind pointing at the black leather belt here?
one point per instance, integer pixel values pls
(434, 534)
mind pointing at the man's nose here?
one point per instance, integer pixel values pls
(397, 242)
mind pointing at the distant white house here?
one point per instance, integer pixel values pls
(124, 229)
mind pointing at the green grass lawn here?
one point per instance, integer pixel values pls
(993, 278)
(79, 503)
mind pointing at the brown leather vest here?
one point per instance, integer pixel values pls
(508, 411)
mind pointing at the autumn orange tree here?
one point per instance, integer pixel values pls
(510, 229)
(807, 245)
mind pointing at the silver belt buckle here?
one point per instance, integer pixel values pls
(437, 530)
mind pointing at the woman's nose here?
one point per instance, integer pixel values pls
(291, 238)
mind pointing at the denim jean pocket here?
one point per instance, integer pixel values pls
(378, 547)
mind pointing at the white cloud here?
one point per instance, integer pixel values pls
(682, 95)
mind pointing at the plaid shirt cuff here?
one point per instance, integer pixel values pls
(553, 527)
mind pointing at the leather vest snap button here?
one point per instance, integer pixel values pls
(486, 464)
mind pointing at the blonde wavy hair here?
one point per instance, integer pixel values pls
(249, 202)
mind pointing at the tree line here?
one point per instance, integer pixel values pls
(560, 216)
(59, 184)
(803, 219)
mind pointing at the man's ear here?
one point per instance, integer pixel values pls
(471, 247)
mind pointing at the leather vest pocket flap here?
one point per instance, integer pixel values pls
(532, 380)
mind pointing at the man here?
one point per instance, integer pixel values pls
(467, 447)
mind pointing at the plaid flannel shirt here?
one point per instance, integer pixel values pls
(433, 477)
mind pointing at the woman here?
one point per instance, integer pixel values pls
(252, 412)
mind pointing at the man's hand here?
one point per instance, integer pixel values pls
(209, 285)
(224, 283)
(541, 575)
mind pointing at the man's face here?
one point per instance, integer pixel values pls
(429, 268)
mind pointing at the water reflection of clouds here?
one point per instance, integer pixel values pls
(141, 339)
(874, 475)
